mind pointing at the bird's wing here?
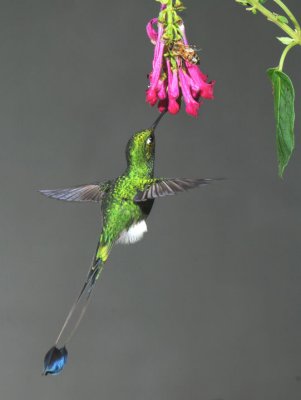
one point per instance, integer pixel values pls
(93, 192)
(168, 187)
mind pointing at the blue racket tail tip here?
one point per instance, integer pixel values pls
(55, 360)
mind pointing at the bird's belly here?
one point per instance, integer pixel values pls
(132, 235)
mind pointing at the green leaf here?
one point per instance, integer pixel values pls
(284, 99)
(285, 40)
(282, 19)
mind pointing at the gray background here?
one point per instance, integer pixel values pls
(208, 305)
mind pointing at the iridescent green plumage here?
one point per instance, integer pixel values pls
(119, 209)
(125, 203)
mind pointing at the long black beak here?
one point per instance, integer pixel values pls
(153, 127)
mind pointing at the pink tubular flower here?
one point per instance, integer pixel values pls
(151, 96)
(173, 106)
(173, 90)
(175, 74)
(151, 32)
(192, 106)
(200, 80)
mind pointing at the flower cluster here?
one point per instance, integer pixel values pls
(175, 73)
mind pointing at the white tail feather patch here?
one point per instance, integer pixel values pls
(133, 234)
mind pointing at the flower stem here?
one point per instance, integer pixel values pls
(171, 19)
(284, 54)
(288, 13)
(274, 18)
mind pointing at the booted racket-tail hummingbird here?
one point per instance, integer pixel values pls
(126, 203)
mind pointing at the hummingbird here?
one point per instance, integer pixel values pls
(126, 202)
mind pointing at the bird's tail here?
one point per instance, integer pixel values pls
(80, 305)
(56, 358)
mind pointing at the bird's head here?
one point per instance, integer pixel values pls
(140, 150)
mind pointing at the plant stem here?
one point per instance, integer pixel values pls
(272, 17)
(284, 54)
(171, 31)
(288, 13)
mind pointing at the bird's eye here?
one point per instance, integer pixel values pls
(149, 140)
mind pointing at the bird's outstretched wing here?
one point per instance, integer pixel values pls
(169, 187)
(93, 192)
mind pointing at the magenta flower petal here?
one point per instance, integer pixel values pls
(174, 87)
(151, 32)
(195, 87)
(152, 92)
(173, 81)
(207, 90)
(157, 65)
(192, 106)
(162, 89)
(173, 90)
(195, 94)
(196, 74)
(151, 96)
(159, 44)
(169, 72)
(173, 106)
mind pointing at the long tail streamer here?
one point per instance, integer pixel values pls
(56, 358)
